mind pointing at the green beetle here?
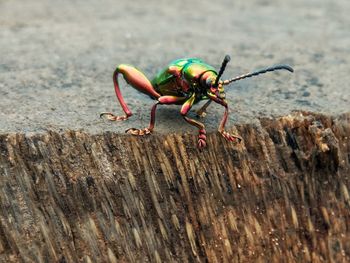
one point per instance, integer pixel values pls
(183, 82)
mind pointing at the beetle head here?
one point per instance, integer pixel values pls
(213, 83)
(218, 90)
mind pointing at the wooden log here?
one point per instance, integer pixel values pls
(280, 196)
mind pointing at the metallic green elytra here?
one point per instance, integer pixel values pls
(190, 68)
(183, 82)
(182, 77)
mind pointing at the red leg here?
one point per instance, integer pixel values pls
(228, 136)
(221, 129)
(202, 138)
(161, 100)
(137, 80)
(148, 130)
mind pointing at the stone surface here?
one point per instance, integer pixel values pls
(57, 58)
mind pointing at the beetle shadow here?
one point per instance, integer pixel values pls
(170, 120)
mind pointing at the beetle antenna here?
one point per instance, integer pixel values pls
(223, 66)
(258, 72)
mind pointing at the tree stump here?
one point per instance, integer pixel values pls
(282, 195)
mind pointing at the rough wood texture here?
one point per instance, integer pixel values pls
(280, 196)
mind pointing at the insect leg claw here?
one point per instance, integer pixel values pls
(110, 116)
(201, 114)
(202, 138)
(231, 137)
(138, 132)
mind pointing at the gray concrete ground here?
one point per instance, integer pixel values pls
(57, 58)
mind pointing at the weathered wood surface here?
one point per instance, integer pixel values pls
(282, 195)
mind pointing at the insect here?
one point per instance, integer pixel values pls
(183, 82)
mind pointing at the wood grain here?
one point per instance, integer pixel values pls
(280, 196)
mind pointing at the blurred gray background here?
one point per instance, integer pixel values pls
(57, 58)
